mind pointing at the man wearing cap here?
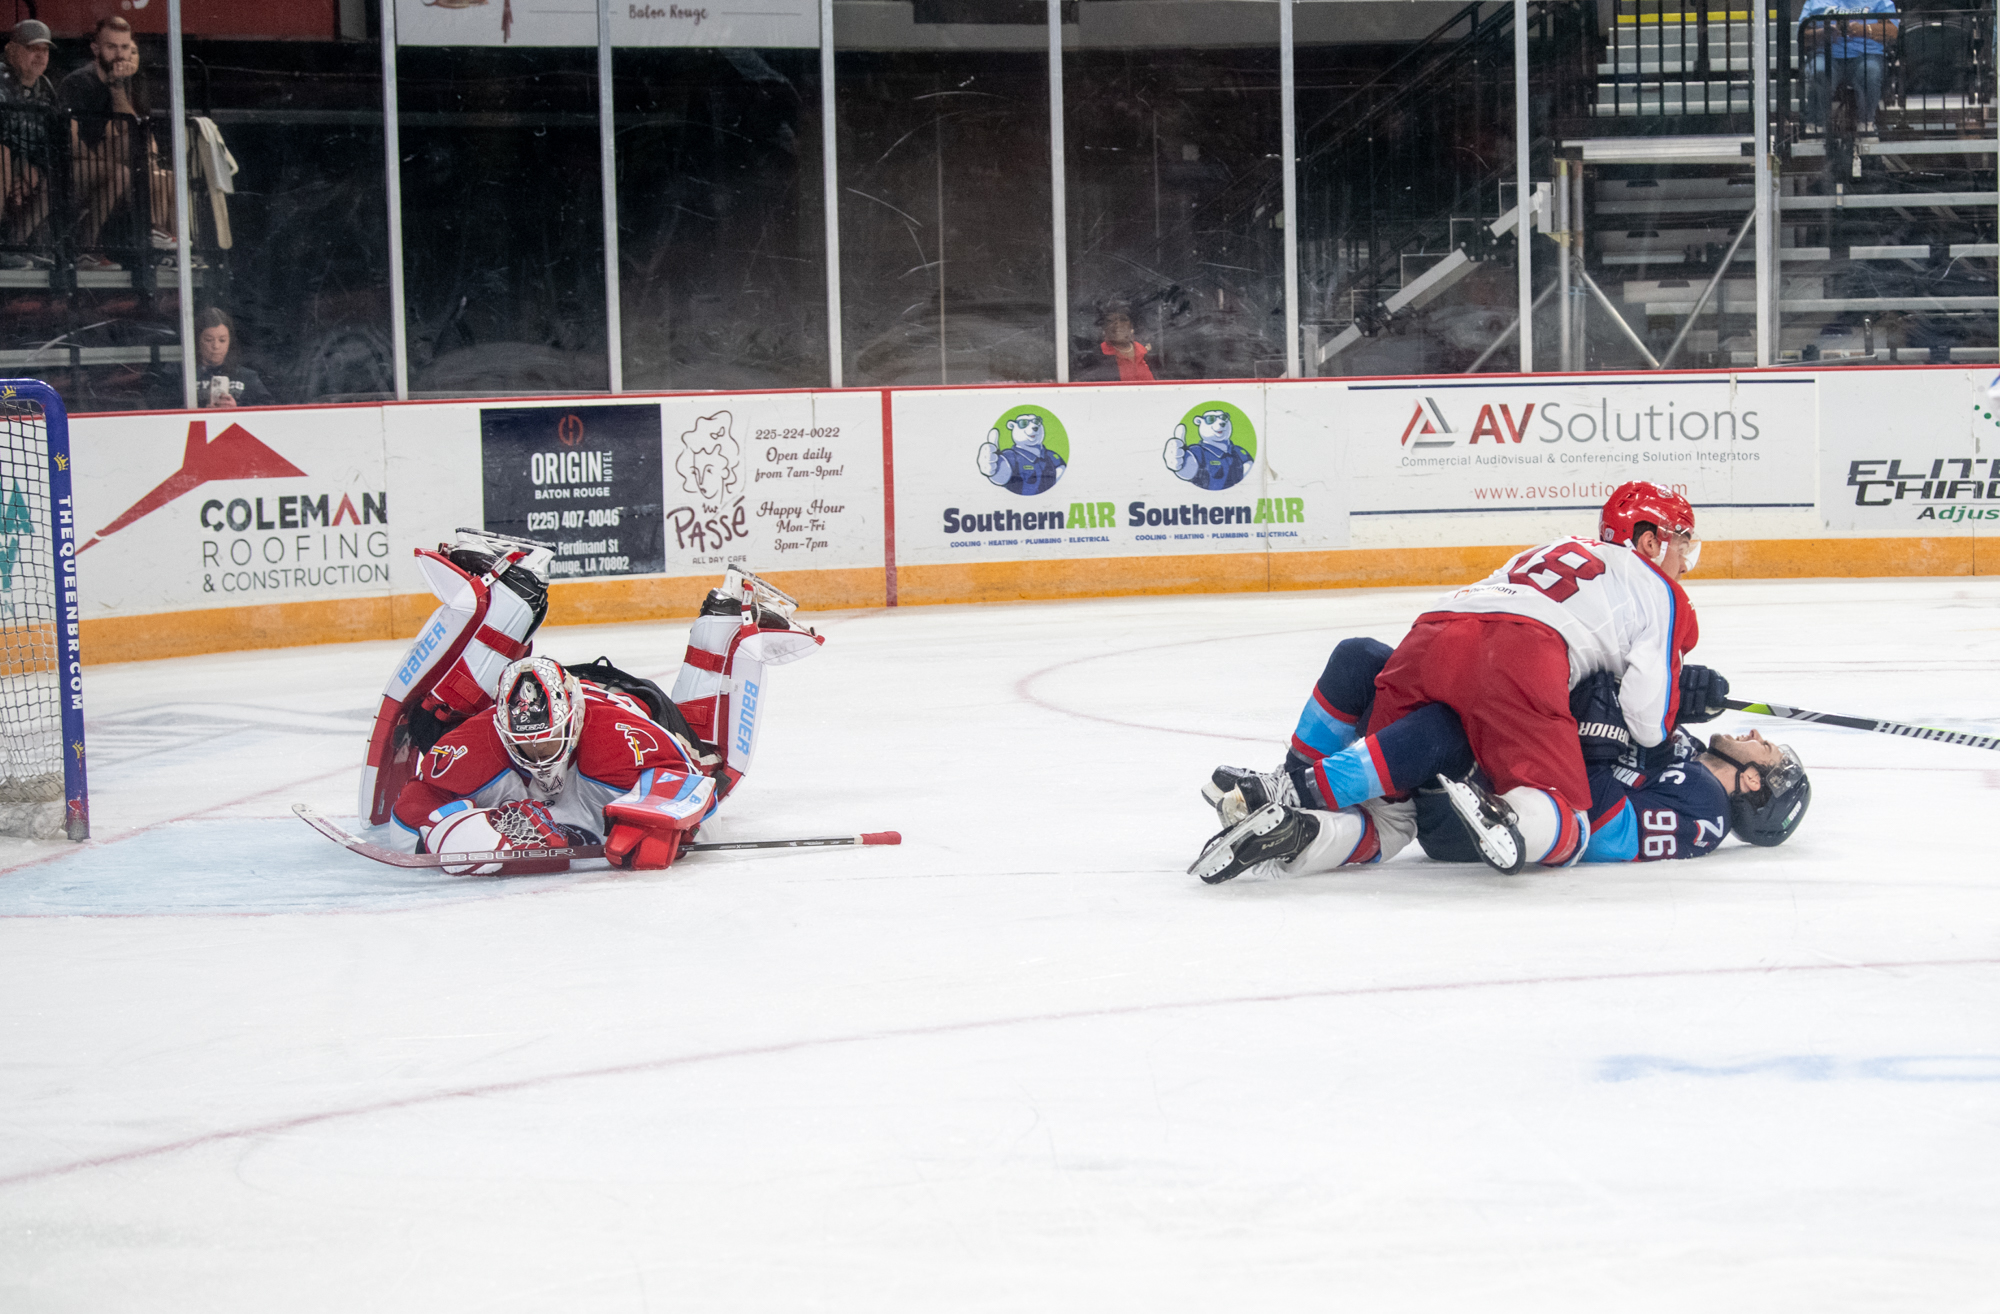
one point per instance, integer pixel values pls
(27, 100)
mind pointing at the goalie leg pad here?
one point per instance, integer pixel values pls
(455, 661)
(736, 636)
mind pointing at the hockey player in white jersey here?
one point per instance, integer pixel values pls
(1502, 656)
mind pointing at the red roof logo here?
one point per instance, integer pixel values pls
(234, 454)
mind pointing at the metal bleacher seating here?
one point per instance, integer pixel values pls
(1886, 239)
(87, 283)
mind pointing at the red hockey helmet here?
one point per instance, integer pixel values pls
(1643, 503)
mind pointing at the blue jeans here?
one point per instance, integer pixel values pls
(1826, 74)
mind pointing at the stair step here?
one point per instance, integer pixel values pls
(1661, 189)
(1664, 241)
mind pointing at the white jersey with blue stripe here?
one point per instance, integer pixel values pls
(1614, 609)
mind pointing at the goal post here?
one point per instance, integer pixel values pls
(43, 790)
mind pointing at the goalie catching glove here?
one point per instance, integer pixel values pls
(459, 828)
(649, 822)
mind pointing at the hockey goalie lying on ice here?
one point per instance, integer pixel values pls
(480, 746)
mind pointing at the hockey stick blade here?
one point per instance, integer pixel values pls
(395, 858)
(1906, 731)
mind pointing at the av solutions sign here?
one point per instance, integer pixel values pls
(1426, 447)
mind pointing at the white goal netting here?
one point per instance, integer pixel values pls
(32, 746)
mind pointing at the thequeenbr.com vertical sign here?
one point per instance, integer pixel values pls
(586, 478)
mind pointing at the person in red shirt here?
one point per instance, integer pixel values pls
(1126, 353)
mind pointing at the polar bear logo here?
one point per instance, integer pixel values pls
(1028, 467)
(1215, 460)
(710, 463)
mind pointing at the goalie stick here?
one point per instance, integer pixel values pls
(1965, 737)
(396, 858)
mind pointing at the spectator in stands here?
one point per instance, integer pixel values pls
(107, 97)
(1128, 354)
(27, 100)
(220, 381)
(1844, 48)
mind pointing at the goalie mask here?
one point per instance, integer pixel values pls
(540, 719)
(1767, 816)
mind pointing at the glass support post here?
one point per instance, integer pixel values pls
(183, 270)
(1288, 119)
(392, 163)
(607, 163)
(1059, 195)
(1565, 356)
(1767, 229)
(1524, 192)
(829, 148)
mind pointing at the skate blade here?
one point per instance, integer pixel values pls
(1499, 842)
(1218, 861)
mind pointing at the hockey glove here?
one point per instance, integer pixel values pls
(1600, 720)
(531, 825)
(649, 821)
(1654, 760)
(459, 828)
(1702, 694)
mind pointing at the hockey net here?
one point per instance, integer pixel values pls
(40, 789)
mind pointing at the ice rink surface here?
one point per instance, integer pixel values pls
(1022, 1062)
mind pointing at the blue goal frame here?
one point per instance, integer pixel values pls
(69, 644)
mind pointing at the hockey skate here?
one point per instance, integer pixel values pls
(1491, 823)
(773, 605)
(1273, 833)
(1236, 792)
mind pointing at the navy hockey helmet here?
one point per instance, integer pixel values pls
(1767, 816)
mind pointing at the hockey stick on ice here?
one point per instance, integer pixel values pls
(1863, 723)
(395, 858)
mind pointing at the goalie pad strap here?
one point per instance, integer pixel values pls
(504, 644)
(703, 660)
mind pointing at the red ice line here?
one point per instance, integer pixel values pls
(938, 1029)
(1023, 687)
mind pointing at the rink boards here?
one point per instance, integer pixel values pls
(219, 530)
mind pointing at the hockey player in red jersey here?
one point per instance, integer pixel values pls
(1502, 655)
(555, 760)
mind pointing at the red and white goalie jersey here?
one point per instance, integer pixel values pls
(1617, 612)
(617, 745)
